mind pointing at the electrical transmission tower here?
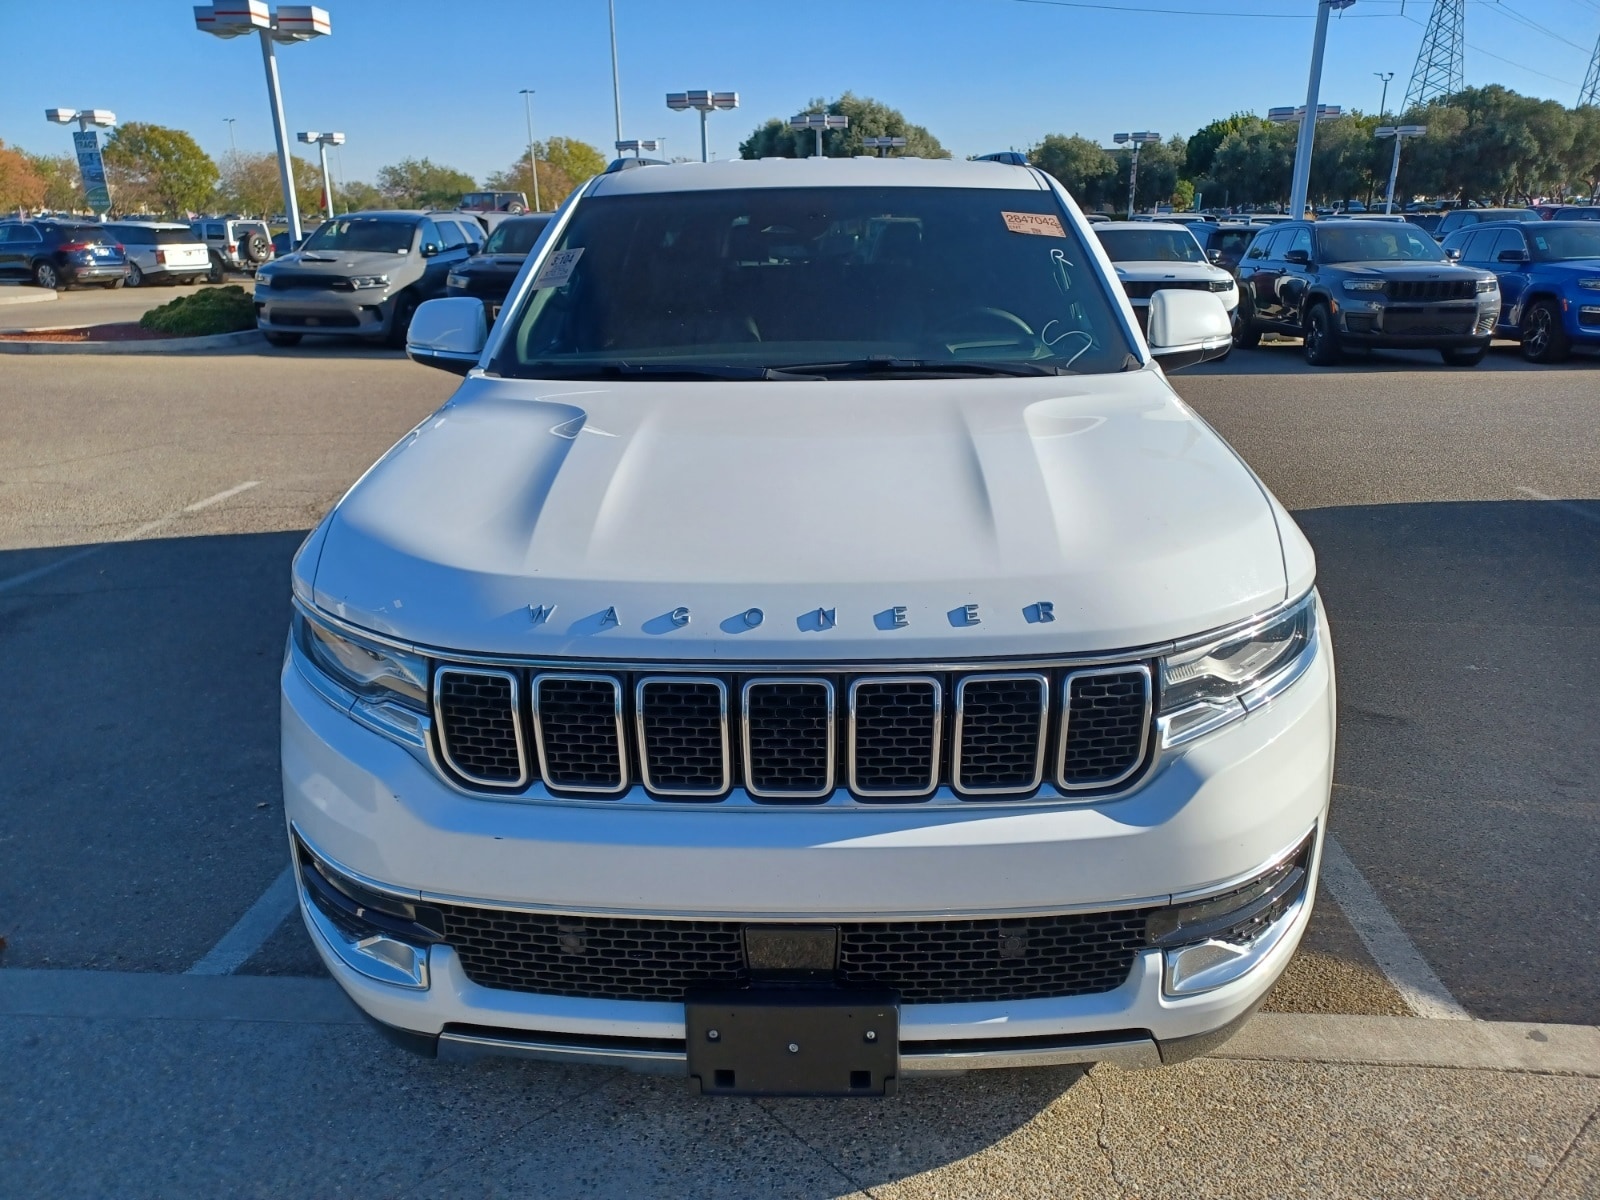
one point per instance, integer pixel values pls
(1441, 63)
(1591, 81)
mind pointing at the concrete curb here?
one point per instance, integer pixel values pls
(215, 341)
(1268, 1037)
(25, 296)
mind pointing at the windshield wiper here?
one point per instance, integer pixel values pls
(661, 371)
(889, 365)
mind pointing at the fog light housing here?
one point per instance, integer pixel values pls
(381, 936)
(1216, 940)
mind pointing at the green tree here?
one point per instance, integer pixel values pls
(62, 185)
(251, 186)
(1252, 165)
(1201, 148)
(1082, 166)
(554, 183)
(576, 160)
(1160, 164)
(1582, 159)
(155, 169)
(1183, 196)
(354, 196)
(422, 183)
(868, 118)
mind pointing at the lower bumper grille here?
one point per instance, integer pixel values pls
(926, 962)
(1445, 323)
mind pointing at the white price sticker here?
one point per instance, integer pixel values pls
(558, 268)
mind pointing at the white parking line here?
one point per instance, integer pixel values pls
(132, 535)
(1576, 510)
(250, 930)
(1388, 944)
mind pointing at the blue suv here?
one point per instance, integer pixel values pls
(1549, 281)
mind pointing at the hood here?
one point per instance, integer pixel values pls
(1565, 269)
(1158, 270)
(507, 264)
(797, 520)
(342, 262)
(1391, 269)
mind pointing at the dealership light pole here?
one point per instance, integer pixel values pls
(1143, 138)
(289, 24)
(1297, 116)
(646, 145)
(86, 145)
(1399, 133)
(817, 122)
(705, 103)
(1383, 99)
(883, 144)
(533, 163)
(322, 141)
(616, 84)
(1302, 152)
(233, 147)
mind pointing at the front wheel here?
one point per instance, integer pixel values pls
(1544, 339)
(1322, 344)
(400, 321)
(134, 277)
(217, 273)
(1463, 356)
(282, 339)
(46, 276)
(1245, 334)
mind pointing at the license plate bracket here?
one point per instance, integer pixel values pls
(793, 1042)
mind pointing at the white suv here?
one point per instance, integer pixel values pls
(815, 644)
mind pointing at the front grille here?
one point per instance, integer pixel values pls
(1443, 322)
(1431, 289)
(1143, 289)
(321, 320)
(308, 281)
(927, 962)
(885, 738)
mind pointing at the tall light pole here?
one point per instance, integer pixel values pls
(1383, 100)
(86, 145)
(638, 145)
(289, 24)
(233, 147)
(1297, 116)
(705, 103)
(1399, 133)
(616, 84)
(817, 122)
(322, 141)
(1302, 151)
(883, 144)
(533, 163)
(1143, 138)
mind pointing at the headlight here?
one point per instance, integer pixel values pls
(1207, 686)
(358, 282)
(1222, 285)
(1363, 285)
(1490, 284)
(1592, 285)
(373, 672)
(263, 281)
(455, 281)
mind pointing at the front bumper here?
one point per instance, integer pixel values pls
(1212, 813)
(362, 314)
(1378, 325)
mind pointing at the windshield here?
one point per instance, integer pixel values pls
(1377, 241)
(1556, 242)
(1150, 245)
(1527, 216)
(825, 278)
(515, 237)
(386, 235)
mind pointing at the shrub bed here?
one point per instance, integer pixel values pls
(210, 310)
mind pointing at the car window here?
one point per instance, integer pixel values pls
(5, 234)
(1262, 246)
(1231, 241)
(172, 237)
(25, 233)
(1300, 241)
(1150, 245)
(431, 234)
(382, 235)
(515, 236)
(819, 277)
(1554, 243)
(213, 231)
(1474, 246)
(1507, 239)
(474, 232)
(1377, 241)
(132, 235)
(454, 237)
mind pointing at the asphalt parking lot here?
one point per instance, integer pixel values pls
(148, 510)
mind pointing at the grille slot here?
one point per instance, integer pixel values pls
(683, 735)
(999, 735)
(577, 725)
(788, 738)
(1107, 727)
(1143, 289)
(894, 737)
(480, 735)
(927, 962)
(1431, 289)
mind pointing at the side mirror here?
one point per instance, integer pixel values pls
(450, 333)
(1214, 256)
(1298, 256)
(1453, 253)
(429, 249)
(1185, 328)
(1512, 256)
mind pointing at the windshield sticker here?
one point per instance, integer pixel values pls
(1541, 243)
(1039, 224)
(558, 268)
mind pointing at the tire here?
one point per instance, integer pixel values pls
(282, 339)
(46, 276)
(1322, 343)
(218, 273)
(516, 210)
(1245, 334)
(254, 248)
(400, 321)
(113, 285)
(1459, 356)
(134, 277)
(1544, 339)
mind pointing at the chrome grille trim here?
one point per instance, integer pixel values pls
(1044, 733)
(831, 769)
(539, 739)
(516, 725)
(640, 705)
(1141, 669)
(936, 736)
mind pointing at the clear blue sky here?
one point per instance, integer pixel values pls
(431, 79)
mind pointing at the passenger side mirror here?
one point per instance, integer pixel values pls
(1453, 253)
(1214, 256)
(450, 333)
(429, 249)
(1303, 257)
(1513, 256)
(1185, 328)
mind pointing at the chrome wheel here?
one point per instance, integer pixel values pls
(135, 276)
(1536, 337)
(45, 276)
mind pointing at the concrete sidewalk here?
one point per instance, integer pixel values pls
(180, 1085)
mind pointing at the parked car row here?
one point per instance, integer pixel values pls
(61, 254)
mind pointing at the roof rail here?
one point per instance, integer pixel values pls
(628, 164)
(1012, 158)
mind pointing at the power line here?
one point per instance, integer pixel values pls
(1183, 12)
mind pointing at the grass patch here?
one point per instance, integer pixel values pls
(212, 310)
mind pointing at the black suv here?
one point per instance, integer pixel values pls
(1225, 244)
(60, 254)
(1372, 284)
(489, 276)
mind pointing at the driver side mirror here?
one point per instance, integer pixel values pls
(1513, 256)
(1214, 256)
(449, 333)
(1185, 328)
(1453, 253)
(1303, 257)
(429, 249)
